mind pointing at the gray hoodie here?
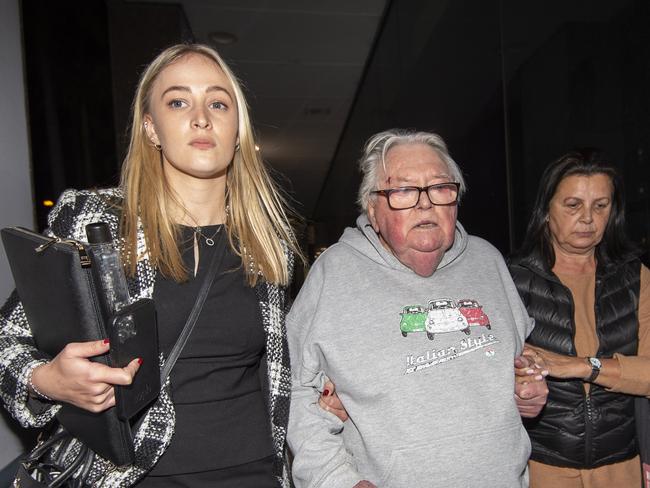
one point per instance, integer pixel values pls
(424, 367)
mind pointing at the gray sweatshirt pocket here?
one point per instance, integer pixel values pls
(495, 459)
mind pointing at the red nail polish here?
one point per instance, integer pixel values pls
(107, 340)
(326, 392)
(140, 361)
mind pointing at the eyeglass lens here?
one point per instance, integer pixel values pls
(407, 197)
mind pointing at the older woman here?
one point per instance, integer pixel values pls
(590, 297)
(192, 176)
(417, 323)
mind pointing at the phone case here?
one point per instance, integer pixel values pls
(133, 334)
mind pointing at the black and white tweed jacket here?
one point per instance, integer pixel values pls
(18, 354)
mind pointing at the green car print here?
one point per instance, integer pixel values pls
(414, 318)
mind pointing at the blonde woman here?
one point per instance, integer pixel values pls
(192, 176)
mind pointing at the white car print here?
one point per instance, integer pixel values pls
(443, 316)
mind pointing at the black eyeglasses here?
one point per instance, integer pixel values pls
(409, 196)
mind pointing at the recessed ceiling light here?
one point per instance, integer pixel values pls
(222, 38)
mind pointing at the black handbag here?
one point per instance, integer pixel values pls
(34, 472)
(44, 466)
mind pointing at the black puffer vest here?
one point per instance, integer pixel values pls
(575, 430)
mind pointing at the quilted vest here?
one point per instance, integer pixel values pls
(575, 429)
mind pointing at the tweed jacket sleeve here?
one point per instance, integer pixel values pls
(274, 306)
(18, 353)
(18, 356)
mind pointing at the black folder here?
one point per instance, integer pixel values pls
(55, 283)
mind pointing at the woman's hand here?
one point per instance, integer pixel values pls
(331, 402)
(526, 370)
(558, 365)
(72, 378)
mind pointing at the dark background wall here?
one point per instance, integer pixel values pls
(70, 116)
(436, 67)
(510, 85)
(583, 84)
(82, 61)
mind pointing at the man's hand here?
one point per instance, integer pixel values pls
(531, 398)
(531, 390)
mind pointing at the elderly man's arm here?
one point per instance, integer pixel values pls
(314, 434)
(320, 456)
(531, 393)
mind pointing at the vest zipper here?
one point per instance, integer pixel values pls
(588, 428)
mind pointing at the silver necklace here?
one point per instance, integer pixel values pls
(198, 233)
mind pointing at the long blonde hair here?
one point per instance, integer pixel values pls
(258, 217)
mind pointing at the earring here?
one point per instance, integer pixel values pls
(236, 147)
(158, 147)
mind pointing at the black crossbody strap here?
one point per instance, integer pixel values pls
(216, 260)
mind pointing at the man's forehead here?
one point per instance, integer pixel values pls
(414, 172)
(412, 175)
(413, 157)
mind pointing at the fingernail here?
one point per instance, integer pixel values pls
(545, 372)
(539, 377)
(529, 371)
(326, 392)
(140, 361)
(107, 341)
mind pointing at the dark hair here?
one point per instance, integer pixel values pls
(615, 246)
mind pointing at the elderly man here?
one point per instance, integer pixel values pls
(417, 323)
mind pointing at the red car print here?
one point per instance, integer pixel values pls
(473, 312)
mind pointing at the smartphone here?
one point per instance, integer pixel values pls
(133, 333)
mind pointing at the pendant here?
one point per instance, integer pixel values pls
(209, 241)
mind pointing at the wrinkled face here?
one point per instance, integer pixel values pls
(419, 236)
(579, 212)
(193, 116)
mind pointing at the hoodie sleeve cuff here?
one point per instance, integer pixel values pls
(343, 476)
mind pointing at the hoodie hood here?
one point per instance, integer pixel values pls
(365, 240)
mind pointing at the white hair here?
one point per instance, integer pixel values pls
(374, 155)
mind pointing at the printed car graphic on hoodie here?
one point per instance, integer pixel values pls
(442, 315)
(473, 312)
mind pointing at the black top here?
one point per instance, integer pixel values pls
(221, 416)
